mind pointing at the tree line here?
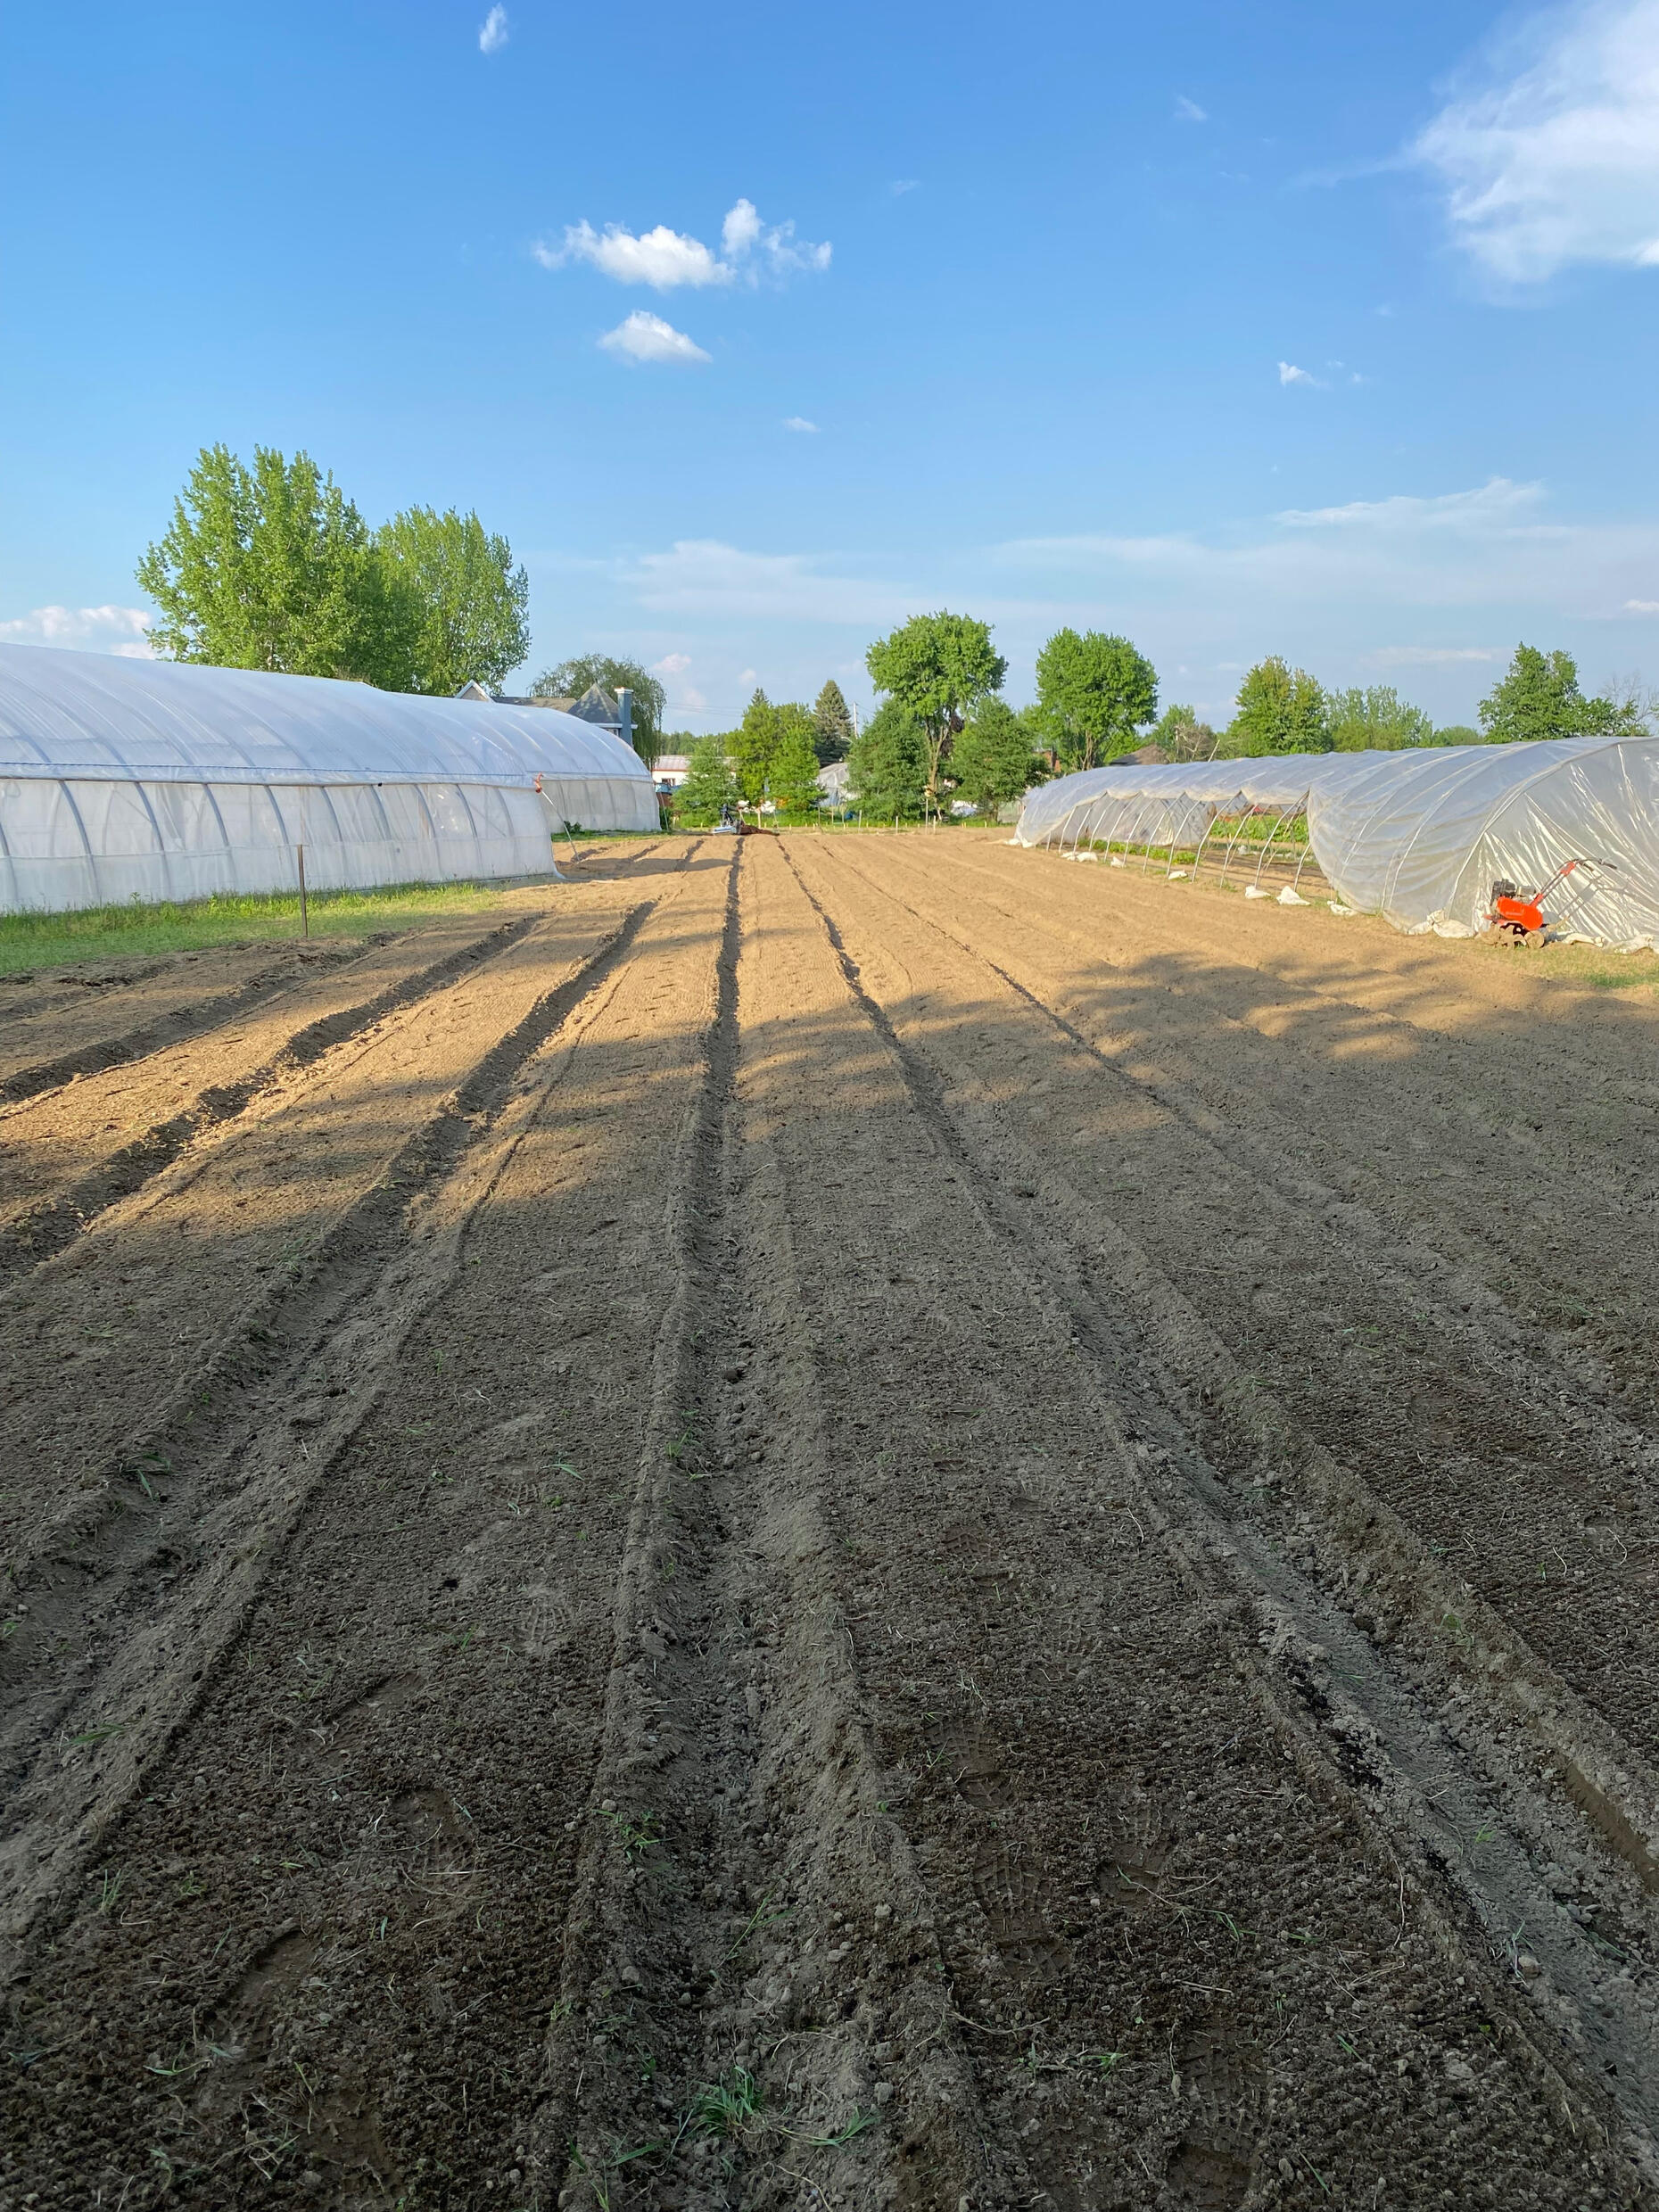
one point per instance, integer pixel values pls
(943, 735)
(272, 567)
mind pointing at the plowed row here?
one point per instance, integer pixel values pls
(844, 1521)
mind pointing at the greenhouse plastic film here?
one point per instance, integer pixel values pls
(124, 780)
(1421, 835)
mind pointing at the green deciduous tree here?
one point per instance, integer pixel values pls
(888, 766)
(793, 774)
(1180, 734)
(1375, 719)
(1279, 710)
(570, 679)
(993, 761)
(469, 601)
(273, 567)
(711, 781)
(1538, 697)
(832, 725)
(1098, 691)
(1459, 733)
(936, 667)
(753, 744)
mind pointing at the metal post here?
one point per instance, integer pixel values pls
(305, 918)
(1203, 841)
(1272, 840)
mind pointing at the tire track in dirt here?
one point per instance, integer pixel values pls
(61, 1170)
(75, 1032)
(711, 2036)
(162, 1550)
(1473, 1352)
(358, 1851)
(992, 1597)
(1385, 1728)
(1424, 1109)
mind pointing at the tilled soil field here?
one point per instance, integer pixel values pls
(846, 1521)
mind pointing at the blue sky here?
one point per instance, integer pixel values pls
(1322, 330)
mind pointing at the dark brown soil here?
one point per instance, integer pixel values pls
(864, 1521)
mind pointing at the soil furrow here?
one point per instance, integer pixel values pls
(1590, 1640)
(1457, 1807)
(165, 1558)
(1421, 1109)
(721, 2048)
(845, 1532)
(52, 1032)
(355, 1857)
(61, 1169)
(127, 1317)
(1081, 1845)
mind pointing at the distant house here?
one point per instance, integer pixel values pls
(832, 781)
(595, 706)
(671, 770)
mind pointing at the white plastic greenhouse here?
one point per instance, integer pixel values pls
(128, 778)
(1418, 836)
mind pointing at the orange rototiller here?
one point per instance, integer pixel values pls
(1517, 916)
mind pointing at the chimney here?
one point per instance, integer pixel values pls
(624, 708)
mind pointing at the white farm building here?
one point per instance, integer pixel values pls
(129, 779)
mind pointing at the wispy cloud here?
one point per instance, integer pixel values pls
(1493, 547)
(1550, 155)
(902, 184)
(123, 631)
(493, 32)
(1640, 606)
(667, 260)
(1188, 111)
(683, 697)
(1432, 656)
(643, 337)
(1289, 374)
(799, 422)
(703, 577)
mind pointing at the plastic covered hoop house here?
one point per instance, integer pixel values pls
(1419, 836)
(128, 778)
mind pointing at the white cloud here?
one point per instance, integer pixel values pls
(643, 337)
(493, 32)
(667, 259)
(1432, 656)
(1640, 606)
(1495, 504)
(740, 232)
(902, 184)
(1188, 111)
(749, 245)
(799, 422)
(123, 631)
(701, 577)
(1289, 374)
(683, 697)
(1554, 159)
(1493, 548)
(661, 258)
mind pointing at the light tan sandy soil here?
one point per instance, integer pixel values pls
(841, 1521)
